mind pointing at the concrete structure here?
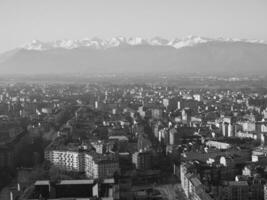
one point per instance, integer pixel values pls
(105, 189)
(237, 190)
(218, 145)
(93, 164)
(99, 146)
(227, 129)
(142, 160)
(191, 184)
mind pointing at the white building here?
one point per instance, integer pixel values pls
(94, 165)
(218, 145)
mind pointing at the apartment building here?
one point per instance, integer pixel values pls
(94, 165)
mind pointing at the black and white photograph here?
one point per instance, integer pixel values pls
(133, 99)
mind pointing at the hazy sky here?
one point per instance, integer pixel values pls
(24, 20)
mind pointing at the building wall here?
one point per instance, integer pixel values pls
(191, 185)
(82, 162)
(67, 160)
(142, 160)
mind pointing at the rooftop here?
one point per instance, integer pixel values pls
(76, 182)
(42, 182)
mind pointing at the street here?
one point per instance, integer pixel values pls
(171, 192)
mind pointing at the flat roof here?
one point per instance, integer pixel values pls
(243, 183)
(71, 198)
(42, 182)
(118, 137)
(107, 198)
(76, 182)
(109, 180)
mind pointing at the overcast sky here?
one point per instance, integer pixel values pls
(24, 20)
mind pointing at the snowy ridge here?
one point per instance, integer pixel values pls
(97, 43)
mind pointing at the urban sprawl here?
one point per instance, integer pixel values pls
(132, 141)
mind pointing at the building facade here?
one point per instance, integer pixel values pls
(93, 164)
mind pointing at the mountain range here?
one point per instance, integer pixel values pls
(138, 55)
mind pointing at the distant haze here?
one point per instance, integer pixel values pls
(48, 20)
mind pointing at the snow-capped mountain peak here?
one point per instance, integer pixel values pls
(158, 41)
(117, 41)
(35, 45)
(67, 44)
(136, 41)
(188, 41)
(98, 43)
